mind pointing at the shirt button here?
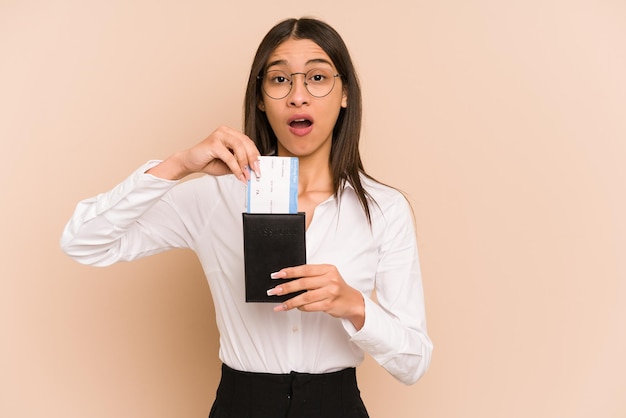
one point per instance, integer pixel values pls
(295, 329)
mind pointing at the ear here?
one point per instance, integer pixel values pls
(344, 99)
(261, 106)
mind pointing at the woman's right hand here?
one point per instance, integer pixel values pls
(225, 151)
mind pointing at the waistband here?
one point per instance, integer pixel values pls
(325, 394)
(340, 375)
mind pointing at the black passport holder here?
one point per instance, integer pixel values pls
(271, 242)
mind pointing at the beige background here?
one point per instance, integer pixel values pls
(504, 122)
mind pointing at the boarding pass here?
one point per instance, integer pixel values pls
(276, 190)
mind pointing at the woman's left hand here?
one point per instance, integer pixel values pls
(325, 291)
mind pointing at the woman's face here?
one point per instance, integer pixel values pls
(303, 123)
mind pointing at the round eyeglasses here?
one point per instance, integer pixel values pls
(319, 82)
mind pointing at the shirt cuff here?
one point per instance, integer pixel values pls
(375, 337)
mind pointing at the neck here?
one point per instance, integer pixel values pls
(314, 172)
(315, 176)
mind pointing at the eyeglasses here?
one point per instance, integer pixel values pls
(319, 82)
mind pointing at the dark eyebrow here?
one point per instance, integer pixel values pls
(276, 62)
(319, 61)
(311, 61)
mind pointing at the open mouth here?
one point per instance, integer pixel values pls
(300, 123)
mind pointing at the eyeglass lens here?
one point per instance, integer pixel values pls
(319, 82)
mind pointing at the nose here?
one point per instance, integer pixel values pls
(298, 95)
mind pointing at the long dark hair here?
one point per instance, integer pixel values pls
(345, 159)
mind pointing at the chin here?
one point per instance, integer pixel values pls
(305, 150)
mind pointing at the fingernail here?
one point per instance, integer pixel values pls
(257, 168)
(274, 291)
(279, 308)
(278, 275)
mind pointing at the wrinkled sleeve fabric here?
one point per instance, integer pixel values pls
(130, 221)
(394, 333)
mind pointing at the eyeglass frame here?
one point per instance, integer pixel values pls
(261, 77)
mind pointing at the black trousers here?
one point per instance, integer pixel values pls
(293, 395)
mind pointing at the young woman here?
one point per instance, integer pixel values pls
(295, 358)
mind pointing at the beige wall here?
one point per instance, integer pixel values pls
(504, 121)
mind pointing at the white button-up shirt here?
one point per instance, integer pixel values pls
(145, 215)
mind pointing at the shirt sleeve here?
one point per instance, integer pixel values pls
(394, 333)
(130, 221)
